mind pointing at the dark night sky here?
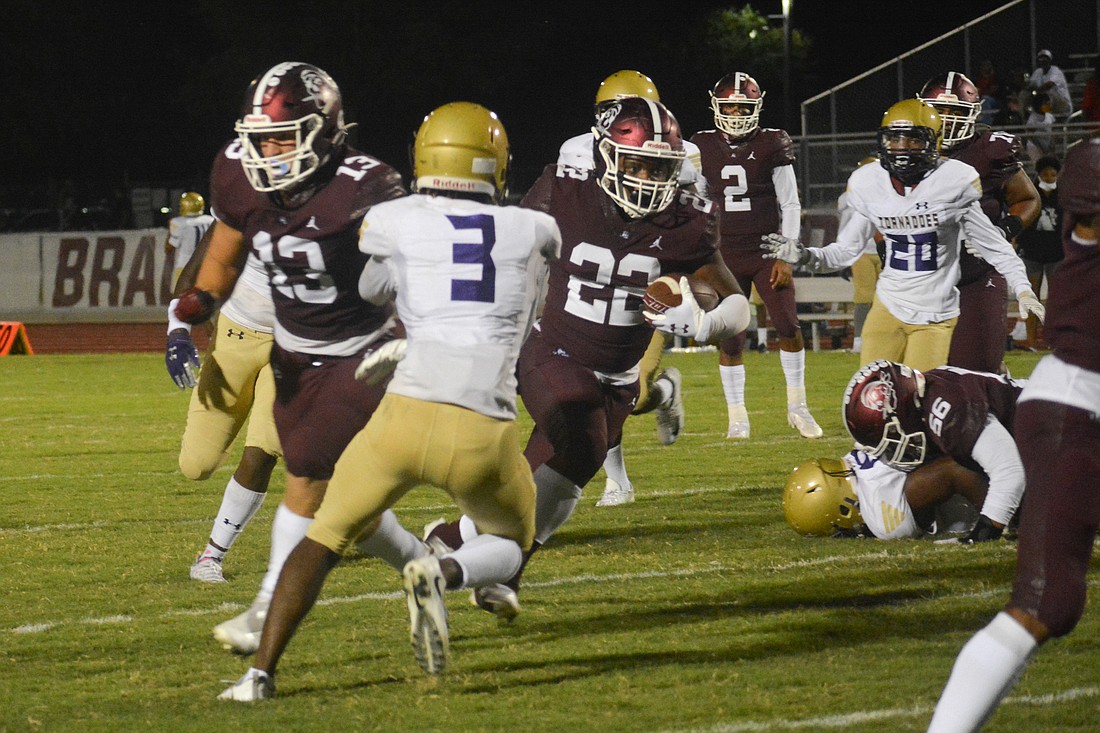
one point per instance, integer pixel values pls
(150, 95)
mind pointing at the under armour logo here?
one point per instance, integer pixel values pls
(921, 205)
(313, 223)
(656, 244)
(232, 524)
(230, 333)
(752, 155)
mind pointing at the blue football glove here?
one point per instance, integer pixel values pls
(181, 358)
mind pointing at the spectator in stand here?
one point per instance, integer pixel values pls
(1090, 101)
(1039, 136)
(990, 90)
(1010, 113)
(1040, 247)
(1049, 80)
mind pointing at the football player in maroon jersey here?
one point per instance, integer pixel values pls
(897, 413)
(623, 225)
(749, 175)
(290, 189)
(1009, 199)
(1058, 435)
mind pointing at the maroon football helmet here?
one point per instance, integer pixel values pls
(736, 101)
(882, 410)
(956, 98)
(293, 101)
(641, 152)
(1079, 179)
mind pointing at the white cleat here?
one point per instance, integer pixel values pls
(207, 570)
(670, 414)
(739, 422)
(255, 685)
(799, 418)
(498, 599)
(616, 495)
(241, 634)
(424, 588)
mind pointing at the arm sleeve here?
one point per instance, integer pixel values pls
(786, 191)
(995, 451)
(994, 248)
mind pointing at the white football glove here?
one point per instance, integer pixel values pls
(379, 364)
(687, 320)
(778, 247)
(1030, 304)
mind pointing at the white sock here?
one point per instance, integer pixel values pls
(238, 507)
(392, 543)
(762, 335)
(794, 371)
(662, 391)
(615, 467)
(287, 531)
(986, 669)
(555, 499)
(487, 559)
(733, 383)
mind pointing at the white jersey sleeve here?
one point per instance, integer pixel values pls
(250, 304)
(468, 279)
(991, 246)
(790, 209)
(184, 234)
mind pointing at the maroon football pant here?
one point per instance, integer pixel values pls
(319, 407)
(978, 343)
(576, 415)
(753, 269)
(1060, 449)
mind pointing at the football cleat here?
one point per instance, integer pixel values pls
(739, 422)
(498, 599)
(254, 685)
(207, 570)
(670, 413)
(799, 418)
(983, 531)
(428, 633)
(241, 634)
(616, 495)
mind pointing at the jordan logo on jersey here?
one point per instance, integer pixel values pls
(656, 244)
(313, 223)
(752, 155)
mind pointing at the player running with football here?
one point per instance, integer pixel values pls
(749, 174)
(623, 225)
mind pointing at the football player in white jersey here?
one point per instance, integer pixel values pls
(860, 495)
(185, 231)
(468, 276)
(234, 385)
(659, 391)
(919, 202)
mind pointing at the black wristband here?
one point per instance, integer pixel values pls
(1011, 226)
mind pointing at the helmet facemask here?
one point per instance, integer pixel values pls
(642, 180)
(908, 152)
(736, 115)
(283, 170)
(959, 119)
(898, 448)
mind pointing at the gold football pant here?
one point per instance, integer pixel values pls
(648, 368)
(922, 346)
(235, 380)
(408, 442)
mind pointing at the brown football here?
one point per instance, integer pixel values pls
(664, 293)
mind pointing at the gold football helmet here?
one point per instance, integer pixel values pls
(909, 140)
(461, 147)
(192, 204)
(819, 500)
(625, 83)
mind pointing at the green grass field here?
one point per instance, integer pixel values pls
(693, 609)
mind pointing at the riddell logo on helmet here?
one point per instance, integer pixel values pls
(452, 184)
